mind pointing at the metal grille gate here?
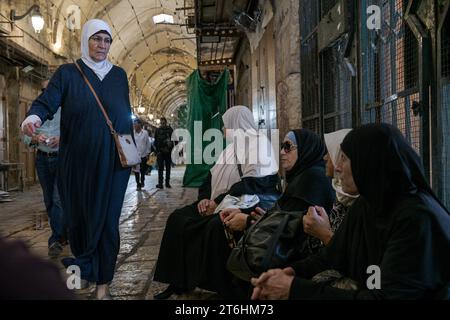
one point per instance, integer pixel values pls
(326, 78)
(389, 71)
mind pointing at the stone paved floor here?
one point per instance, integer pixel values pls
(142, 225)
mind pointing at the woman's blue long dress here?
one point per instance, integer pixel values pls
(91, 180)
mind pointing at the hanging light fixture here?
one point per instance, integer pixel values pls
(163, 18)
(141, 110)
(151, 116)
(37, 20)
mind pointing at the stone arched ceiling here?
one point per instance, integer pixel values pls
(157, 58)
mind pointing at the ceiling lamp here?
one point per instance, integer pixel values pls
(163, 18)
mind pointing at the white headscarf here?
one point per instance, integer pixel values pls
(225, 172)
(90, 28)
(333, 142)
(239, 117)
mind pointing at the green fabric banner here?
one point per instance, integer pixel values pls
(207, 102)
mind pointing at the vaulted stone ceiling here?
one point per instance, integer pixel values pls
(156, 57)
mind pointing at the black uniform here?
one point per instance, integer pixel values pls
(164, 146)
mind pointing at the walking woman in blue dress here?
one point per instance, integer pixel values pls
(91, 180)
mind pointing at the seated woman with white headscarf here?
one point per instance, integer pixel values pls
(194, 249)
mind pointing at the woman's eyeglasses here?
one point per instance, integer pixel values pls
(287, 146)
(99, 40)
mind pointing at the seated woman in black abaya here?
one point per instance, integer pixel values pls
(194, 247)
(397, 226)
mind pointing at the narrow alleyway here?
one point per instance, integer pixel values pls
(142, 225)
(185, 79)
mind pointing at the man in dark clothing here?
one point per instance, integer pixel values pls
(163, 146)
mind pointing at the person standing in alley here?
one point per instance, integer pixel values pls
(144, 149)
(46, 141)
(91, 180)
(164, 146)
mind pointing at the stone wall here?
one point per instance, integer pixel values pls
(19, 86)
(264, 81)
(244, 84)
(287, 64)
(255, 68)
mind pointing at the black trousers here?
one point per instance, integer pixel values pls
(143, 170)
(164, 159)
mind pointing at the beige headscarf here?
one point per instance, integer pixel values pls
(333, 142)
(90, 28)
(225, 172)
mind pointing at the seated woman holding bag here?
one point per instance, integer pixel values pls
(194, 248)
(302, 158)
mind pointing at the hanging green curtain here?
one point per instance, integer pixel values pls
(207, 102)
